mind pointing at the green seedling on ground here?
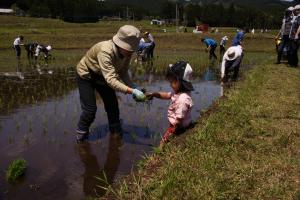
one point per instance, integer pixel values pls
(16, 170)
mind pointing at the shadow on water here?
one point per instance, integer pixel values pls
(38, 116)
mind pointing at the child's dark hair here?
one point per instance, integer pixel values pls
(171, 76)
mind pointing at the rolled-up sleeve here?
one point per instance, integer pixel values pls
(109, 72)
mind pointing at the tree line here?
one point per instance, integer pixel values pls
(190, 14)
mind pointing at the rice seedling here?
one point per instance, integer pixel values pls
(16, 170)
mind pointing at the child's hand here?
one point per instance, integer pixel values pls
(151, 95)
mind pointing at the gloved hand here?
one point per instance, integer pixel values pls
(138, 95)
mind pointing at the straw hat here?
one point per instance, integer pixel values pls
(231, 55)
(128, 38)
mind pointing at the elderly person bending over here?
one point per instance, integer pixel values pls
(231, 63)
(104, 68)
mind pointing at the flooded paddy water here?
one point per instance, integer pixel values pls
(39, 109)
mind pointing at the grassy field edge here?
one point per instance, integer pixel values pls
(245, 147)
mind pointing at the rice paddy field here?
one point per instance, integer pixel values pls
(39, 104)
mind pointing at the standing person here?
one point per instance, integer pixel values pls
(42, 48)
(284, 33)
(231, 62)
(30, 49)
(179, 111)
(294, 37)
(104, 68)
(222, 45)
(17, 45)
(239, 37)
(211, 47)
(152, 46)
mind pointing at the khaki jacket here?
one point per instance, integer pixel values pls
(104, 59)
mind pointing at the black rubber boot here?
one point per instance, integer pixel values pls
(82, 136)
(116, 130)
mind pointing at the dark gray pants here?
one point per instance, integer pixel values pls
(232, 66)
(87, 88)
(293, 53)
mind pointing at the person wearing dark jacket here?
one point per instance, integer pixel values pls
(284, 33)
(30, 49)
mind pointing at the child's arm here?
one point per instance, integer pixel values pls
(159, 95)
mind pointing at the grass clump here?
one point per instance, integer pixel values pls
(16, 170)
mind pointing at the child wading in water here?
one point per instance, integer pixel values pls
(179, 111)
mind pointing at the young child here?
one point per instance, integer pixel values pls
(179, 111)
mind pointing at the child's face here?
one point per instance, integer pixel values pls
(174, 83)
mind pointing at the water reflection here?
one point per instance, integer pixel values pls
(33, 86)
(94, 176)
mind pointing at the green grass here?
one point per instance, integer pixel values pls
(16, 170)
(247, 148)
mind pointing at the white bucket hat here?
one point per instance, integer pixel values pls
(225, 37)
(231, 55)
(290, 8)
(128, 38)
(48, 48)
(297, 7)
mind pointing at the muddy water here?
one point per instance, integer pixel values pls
(38, 115)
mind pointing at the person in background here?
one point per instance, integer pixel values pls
(143, 51)
(284, 33)
(239, 37)
(231, 63)
(104, 69)
(179, 111)
(294, 38)
(211, 47)
(222, 45)
(152, 46)
(30, 49)
(17, 45)
(44, 49)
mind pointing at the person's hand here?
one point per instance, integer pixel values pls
(151, 95)
(138, 95)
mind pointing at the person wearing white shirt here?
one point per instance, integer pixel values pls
(17, 45)
(231, 62)
(151, 40)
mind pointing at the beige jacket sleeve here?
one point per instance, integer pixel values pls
(109, 72)
(125, 76)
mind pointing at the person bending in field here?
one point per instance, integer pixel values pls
(17, 45)
(30, 49)
(179, 111)
(42, 48)
(231, 63)
(211, 47)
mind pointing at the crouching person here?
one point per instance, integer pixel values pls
(231, 63)
(179, 111)
(104, 69)
(44, 49)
